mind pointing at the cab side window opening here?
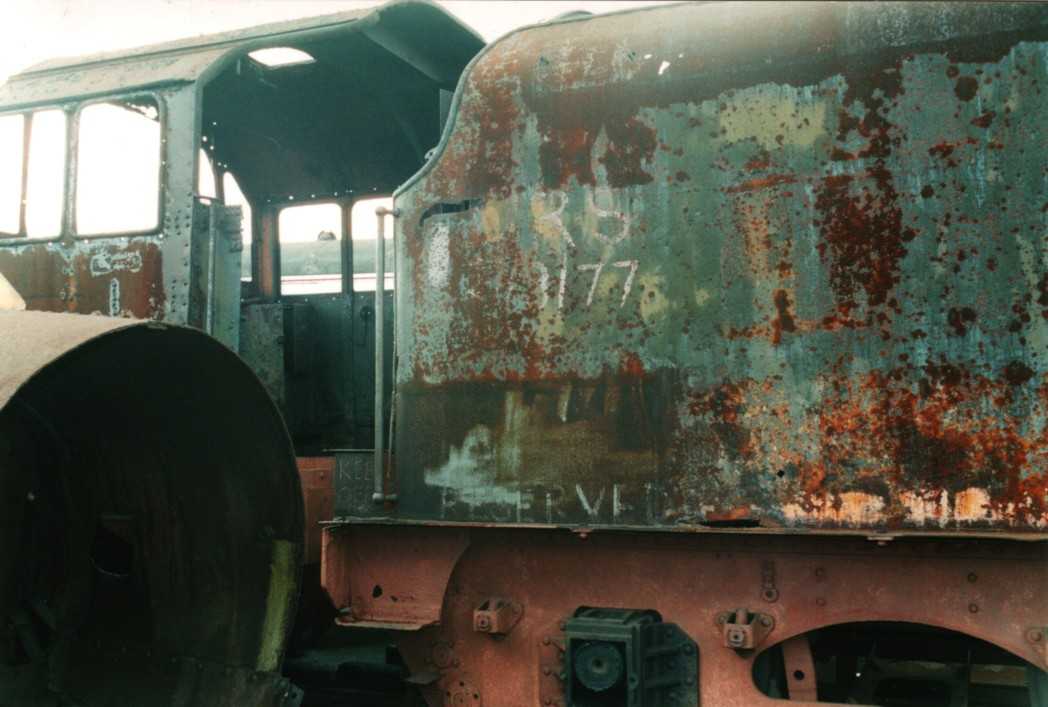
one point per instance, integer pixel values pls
(12, 128)
(365, 232)
(226, 189)
(310, 249)
(45, 188)
(118, 167)
(235, 197)
(206, 186)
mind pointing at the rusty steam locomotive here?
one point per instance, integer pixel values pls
(699, 357)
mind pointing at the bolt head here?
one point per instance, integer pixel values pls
(1035, 635)
(973, 608)
(765, 621)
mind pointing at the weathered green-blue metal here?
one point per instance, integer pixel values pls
(779, 264)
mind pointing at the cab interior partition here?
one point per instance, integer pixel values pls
(308, 133)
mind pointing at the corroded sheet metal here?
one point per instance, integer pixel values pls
(123, 277)
(773, 263)
(49, 85)
(819, 582)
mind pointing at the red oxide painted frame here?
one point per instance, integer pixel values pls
(428, 580)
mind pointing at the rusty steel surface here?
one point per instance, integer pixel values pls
(403, 588)
(89, 276)
(690, 580)
(317, 475)
(48, 84)
(776, 264)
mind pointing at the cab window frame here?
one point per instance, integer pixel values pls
(19, 235)
(344, 241)
(249, 253)
(72, 164)
(22, 237)
(390, 248)
(72, 110)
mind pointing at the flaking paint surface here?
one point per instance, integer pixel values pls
(759, 284)
(121, 278)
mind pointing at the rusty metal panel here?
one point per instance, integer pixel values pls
(403, 590)
(354, 482)
(262, 347)
(770, 264)
(969, 586)
(116, 279)
(318, 493)
(50, 85)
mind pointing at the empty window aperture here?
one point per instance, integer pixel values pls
(310, 249)
(205, 176)
(118, 168)
(11, 132)
(45, 187)
(235, 197)
(275, 57)
(365, 233)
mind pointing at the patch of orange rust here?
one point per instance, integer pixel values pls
(936, 438)
(784, 321)
(772, 180)
(917, 444)
(737, 513)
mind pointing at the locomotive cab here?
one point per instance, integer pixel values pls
(228, 183)
(308, 133)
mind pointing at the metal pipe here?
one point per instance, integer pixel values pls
(27, 138)
(69, 178)
(380, 495)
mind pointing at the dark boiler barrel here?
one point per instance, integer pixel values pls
(150, 518)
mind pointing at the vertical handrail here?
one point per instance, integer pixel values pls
(380, 495)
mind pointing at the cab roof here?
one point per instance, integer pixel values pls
(406, 28)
